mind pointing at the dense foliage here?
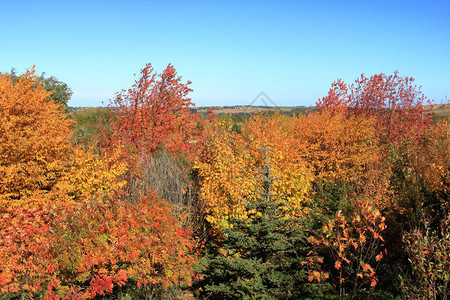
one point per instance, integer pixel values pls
(147, 199)
(66, 228)
(34, 139)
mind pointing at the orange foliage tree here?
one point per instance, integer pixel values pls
(342, 150)
(336, 147)
(349, 189)
(34, 139)
(355, 245)
(428, 171)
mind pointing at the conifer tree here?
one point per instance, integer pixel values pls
(262, 257)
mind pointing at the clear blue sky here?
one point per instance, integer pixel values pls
(230, 50)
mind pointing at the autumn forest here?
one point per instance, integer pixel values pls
(148, 199)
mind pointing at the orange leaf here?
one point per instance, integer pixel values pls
(337, 264)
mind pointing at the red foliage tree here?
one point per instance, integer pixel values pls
(81, 250)
(26, 258)
(154, 113)
(395, 101)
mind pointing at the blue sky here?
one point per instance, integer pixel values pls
(230, 50)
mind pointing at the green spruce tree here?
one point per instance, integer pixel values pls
(261, 257)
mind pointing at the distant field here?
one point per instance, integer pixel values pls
(442, 110)
(233, 110)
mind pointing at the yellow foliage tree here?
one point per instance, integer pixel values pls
(88, 174)
(292, 178)
(226, 169)
(229, 167)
